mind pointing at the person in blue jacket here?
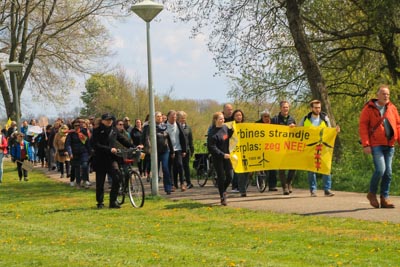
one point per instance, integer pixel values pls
(21, 151)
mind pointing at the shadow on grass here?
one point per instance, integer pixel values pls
(68, 210)
(186, 205)
(334, 212)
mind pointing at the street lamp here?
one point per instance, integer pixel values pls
(148, 10)
(14, 68)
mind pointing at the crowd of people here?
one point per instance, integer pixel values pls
(218, 146)
(78, 147)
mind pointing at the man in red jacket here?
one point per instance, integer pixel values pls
(379, 130)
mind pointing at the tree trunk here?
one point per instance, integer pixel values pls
(307, 57)
(8, 104)
(310, 65)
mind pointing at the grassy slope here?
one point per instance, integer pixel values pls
(45, 223)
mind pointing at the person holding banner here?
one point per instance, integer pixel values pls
(265, 117)
(317, 118)
(242, 178)
(227, 110)
(284, 118)
(218, 147)
(379, 130)
(21, 151)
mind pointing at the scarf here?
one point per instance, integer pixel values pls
(81, 136)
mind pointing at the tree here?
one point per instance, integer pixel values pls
(114, 93)
(302, 49)
(52, 39)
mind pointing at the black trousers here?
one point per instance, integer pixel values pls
(110, 168)
(186, 168)
(223, 167)
(21, 171)
(177, 168)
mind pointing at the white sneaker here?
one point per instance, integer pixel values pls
(72, 183)
(88, 183)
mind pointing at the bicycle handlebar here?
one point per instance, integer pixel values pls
(126, 152)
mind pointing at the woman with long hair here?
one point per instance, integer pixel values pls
(218, 147)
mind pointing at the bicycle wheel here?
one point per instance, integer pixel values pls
(136, 190)
(261, 180)
(121, 192)
(212, 174)
(201, 177)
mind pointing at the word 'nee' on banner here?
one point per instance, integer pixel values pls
(258, 146)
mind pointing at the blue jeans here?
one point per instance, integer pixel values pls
(382, 157)
(164, 159)
(312, 180)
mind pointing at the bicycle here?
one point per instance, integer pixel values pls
(130, 183)
(204, 169)
(261, 181)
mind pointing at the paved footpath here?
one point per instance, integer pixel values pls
(343, 204)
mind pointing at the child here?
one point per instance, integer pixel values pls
(20, 151)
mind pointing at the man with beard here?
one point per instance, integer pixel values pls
(317, 118)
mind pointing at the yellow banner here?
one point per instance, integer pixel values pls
(8, 123)
(260, 146)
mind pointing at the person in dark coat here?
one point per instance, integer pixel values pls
(104, 144)
(77, 145)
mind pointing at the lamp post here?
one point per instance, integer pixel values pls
(14, 68)
(148, 10)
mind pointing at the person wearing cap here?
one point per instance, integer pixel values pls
(265, 117)
(284, 118)
(21, 151)
(104, 141)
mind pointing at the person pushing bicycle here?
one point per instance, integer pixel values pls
(104, 142)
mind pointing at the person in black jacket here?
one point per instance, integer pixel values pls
(218, 147)
(78, 147)
(284, 118)
(104, 144)
(187, 130)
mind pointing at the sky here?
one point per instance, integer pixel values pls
(178, 61)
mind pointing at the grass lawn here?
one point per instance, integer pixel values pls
(46, 223)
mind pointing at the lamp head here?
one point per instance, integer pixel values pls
(14, 66)
(147, 10)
